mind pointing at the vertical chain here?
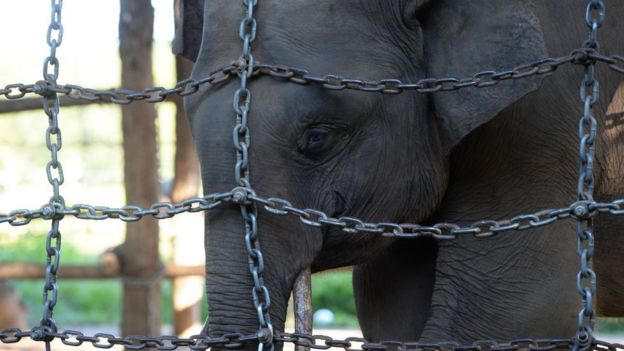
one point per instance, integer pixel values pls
(589, 91)
(54, 171)
(249, 212)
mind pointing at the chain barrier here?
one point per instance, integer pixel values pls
(316, 342)
(315, 218)
(241, 139)
(589, 92)
(54, 171)
(221, 75)
(243, 195)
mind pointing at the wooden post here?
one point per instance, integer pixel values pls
(140, 264)
(12, 308)
(34, 103)
(186, 291)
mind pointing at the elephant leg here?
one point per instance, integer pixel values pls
(393, 290)
(608, 266)
(509, 286)
(609, 229)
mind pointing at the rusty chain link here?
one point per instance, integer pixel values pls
(316, 342)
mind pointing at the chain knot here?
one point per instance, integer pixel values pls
(265, 335)
(582, 209)
(240, 195)
(43, 333)
(44, 88)
(584, 56)
(52, 211)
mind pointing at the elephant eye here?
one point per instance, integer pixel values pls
(314, 140)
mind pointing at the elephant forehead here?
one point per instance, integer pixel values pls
(349, 37)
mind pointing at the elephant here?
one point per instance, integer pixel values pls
(457, 156)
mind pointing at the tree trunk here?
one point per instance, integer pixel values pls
(140, 262)
(187, 292)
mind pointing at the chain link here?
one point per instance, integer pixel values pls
(245, 68)
(190, 86)
(440, 231)
(249, 212)
(54, 172)
(589, 90)
(121, 96)
(317, 342)
(128, 213)
(316, 218)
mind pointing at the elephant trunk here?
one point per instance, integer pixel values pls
(229, 283)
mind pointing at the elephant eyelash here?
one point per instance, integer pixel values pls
(337, 135)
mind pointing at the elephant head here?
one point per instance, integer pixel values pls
(417, 158)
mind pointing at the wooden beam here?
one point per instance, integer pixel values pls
(34, 271)
(35, 103)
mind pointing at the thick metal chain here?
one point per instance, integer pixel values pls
(128, 213)
(583, 210)
(316, 342)
(122, 96)
(440, 231)
(315, 218)
(249, 212)
(190, 86)
(589, 92)
(54, 171)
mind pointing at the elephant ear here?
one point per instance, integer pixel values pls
(466, 37)
(189, 25)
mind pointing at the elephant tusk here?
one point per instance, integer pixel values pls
(302, 292)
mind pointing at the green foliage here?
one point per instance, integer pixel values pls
(79, 302)
(334, 291)
(610, 325)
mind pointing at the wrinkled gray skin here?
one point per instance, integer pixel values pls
(457, 157)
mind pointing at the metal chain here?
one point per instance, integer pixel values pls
(316, 218)
(128, 213)
(249, 212)
(584, 210)
(54, 171)
(317, 342)
(444, 230)
(190, 86)
(122, 96)
(589, 92)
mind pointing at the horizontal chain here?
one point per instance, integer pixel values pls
(441, 231)
(317, 342)
(128, 213)
(432, 85)
(121, 96)
(321, 342)
(133, 342)
(301, 76)
(316, 218)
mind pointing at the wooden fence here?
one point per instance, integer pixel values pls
(142, 262)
